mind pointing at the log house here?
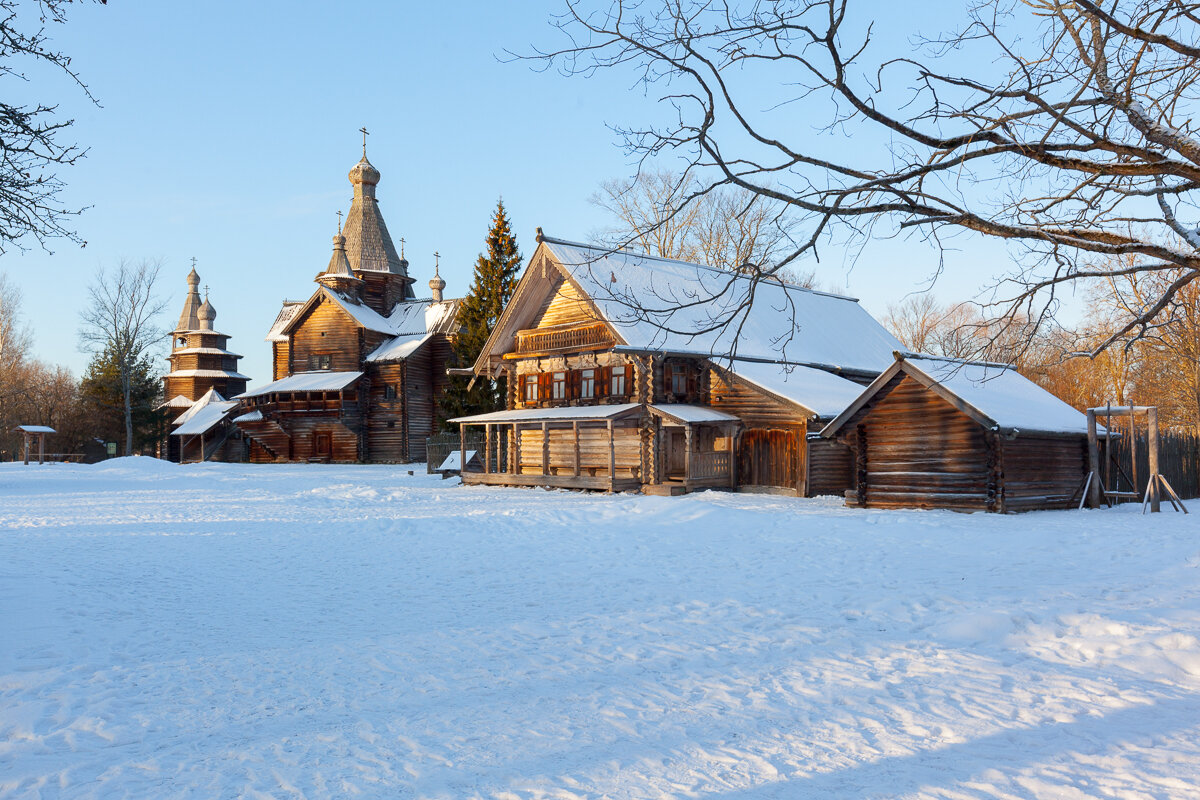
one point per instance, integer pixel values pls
(970, 436)
(603, 395)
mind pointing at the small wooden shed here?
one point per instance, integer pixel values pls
(966, 435)
(32, 433)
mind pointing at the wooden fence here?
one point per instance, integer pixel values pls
(440, 445)
(1178, 459)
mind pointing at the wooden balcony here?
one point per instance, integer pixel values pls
(564, 338)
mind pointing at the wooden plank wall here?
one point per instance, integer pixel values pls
(1043, 471)
(280, 353)
(420, 401)
(564, 305)
(830, 468)
(326, 329)
(385, 418)
(922, 452)
(593, 450)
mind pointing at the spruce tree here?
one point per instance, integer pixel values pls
(495, 278)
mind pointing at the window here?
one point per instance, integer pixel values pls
(558, 386)
(531, 388)
(617, 384)
(318, 361)
(587, 384)
(181, 341)
(679, 380)
(389, 392)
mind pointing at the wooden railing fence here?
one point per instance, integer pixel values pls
(1178, 459)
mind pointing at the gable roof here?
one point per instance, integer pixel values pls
(290, 309)
(994, 395)
(662, 305)
(307, 382)
(820, 392)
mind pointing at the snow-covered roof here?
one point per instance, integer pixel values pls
(567, 413)
(454, 460)
(206, 373)
(642, 296)
(995, 395)
(681, 412)
(178, 401)
(289, 310)
(399, 348)
(209, 351)
(205, 418)
(36, 429)
(307, 382)
(821, 392)
(251, 416)
(211, 396)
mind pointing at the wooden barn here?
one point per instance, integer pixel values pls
(604, 394)
(358, 367)
(941, 433)
(202, 367)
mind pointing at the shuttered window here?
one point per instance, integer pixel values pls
(558, 386)
(618, 385)
(679, 379)
(531, 388)
(587, 384)
(318, 361)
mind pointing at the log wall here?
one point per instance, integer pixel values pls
(325, 329)
(830, 468)
(1042, 471)
(565, 305)
(593, 450)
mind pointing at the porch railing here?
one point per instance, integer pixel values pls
(574, 337)
(709, 465)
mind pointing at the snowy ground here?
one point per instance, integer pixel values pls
(265, 631)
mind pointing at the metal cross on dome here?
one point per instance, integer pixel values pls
(364, 131)
(339, 213)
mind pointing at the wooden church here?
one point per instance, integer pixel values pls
(620, 377)
(203, 374)
(359, 366)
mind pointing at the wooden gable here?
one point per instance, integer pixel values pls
(323, 336)
(548, 312)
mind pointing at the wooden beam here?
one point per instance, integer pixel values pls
(802, 461)
(462, 448)
(729, 435)
(487, 447)
(687, 452)
(546, 447)
(575, 430)
(1094, 488)
(612, 457)
(1152, 487)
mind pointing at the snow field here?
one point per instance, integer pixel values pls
(312, 631)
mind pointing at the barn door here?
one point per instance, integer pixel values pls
(322, 445)
(767, 458)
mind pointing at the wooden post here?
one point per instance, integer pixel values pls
(1152, 487)
(462, 448)
(1093, 461)
(612, 458)
(802, 461)
(1133, 448)
(729, 436)
(487, 448)
(202, 448)
(687, 453)
(41, 448)
(515, 468)
(575, 429)
(25, 439)
(545, 448)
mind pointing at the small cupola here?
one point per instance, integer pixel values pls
(436, 284)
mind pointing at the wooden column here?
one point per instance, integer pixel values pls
(687, 453)
(1094, 487)
(462, 448)
(487, 448)
(42, 453)
(515, 467)
(802, 461)
(861, 464)
(612, 457)
(575, 430)
(545, 448)
(202, 450)
(25, 438)
(1152, 486)
(730, 435)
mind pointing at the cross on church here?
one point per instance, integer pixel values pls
(206, 291)
(363, 129)
(339, 213)
(193, 262)
(402, 247)
(437, 259)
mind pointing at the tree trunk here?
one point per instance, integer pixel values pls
(126, 391)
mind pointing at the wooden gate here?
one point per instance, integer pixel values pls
(768, 458)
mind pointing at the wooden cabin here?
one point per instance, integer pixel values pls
(606, 394)
(970, 436)
(358, 367)
(201, 366)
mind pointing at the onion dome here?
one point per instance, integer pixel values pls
(207, 315)
(364, 175)
(193, 278)
(436, 285)
(339, 265)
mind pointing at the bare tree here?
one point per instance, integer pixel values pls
(664, 214)
(30, 134)
(14, 350)
(120, 323)
(1064, 127)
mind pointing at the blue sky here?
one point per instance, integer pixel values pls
(225, 131)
